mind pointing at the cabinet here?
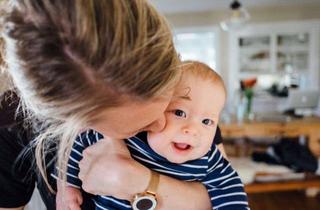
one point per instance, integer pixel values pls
(286, 53)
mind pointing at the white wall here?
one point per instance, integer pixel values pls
(258, 15)
(36, 202)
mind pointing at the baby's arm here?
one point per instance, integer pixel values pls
(224, 184)
(68, 197)
(69, 194)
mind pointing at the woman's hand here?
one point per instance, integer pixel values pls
(108, 169)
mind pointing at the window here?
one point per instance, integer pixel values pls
(198, 45)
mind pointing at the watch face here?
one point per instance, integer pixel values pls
(146, 202)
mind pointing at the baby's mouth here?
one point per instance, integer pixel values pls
(181, 146)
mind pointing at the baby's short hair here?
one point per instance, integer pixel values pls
(202, 70)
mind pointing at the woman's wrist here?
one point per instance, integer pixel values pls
(195, 196)
(142, 176)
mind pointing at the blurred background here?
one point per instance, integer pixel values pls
(267, 52)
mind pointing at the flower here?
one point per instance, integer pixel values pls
(247, 90)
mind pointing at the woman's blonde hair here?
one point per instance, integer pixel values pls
(69, 59)
(5, 82)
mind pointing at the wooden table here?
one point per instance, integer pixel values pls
(308, 126)
(283, 185)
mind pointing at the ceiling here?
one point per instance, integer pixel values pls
(178, 6)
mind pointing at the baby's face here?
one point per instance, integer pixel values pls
(192, 118)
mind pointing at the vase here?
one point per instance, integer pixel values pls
(248, 93)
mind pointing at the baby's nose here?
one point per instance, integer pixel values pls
(191, 130)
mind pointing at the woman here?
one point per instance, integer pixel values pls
(16, 189)
(109, 65)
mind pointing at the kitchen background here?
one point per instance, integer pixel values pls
(267, 52)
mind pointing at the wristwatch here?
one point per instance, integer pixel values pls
(147, 200)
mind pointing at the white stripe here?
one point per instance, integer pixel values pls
(225, 188)
(97, 135)
(79, 144)
(227, 166)
(228, 180)
(141, 151)
(227, 195)
(115, 201)
(100, 206)
(213, 167)
(71, 166)
(230, 203)
(168, 170)
(222, 183)
(80, 138)
(165, 169)
(151, 162)
(74, 160)
(171, 172)
(138, 148)
(72, 185)
(213, 154)
(191, 180)
(88, 139)
(71, 175)
(194, 166)
(177, 173)
(54, 176)
(219, 166)
(76, 151)
(220, 178)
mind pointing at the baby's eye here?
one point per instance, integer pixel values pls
(180, 113)
(207, 122)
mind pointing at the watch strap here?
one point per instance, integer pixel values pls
(153, 183)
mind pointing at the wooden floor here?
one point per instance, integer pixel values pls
(292, 200)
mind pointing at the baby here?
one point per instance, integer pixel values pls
(184, 149)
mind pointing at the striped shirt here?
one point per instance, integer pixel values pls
(222, 182)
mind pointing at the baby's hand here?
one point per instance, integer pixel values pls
(68, 198)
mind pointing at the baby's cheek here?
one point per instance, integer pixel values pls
(206, 145)
(154, 141)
